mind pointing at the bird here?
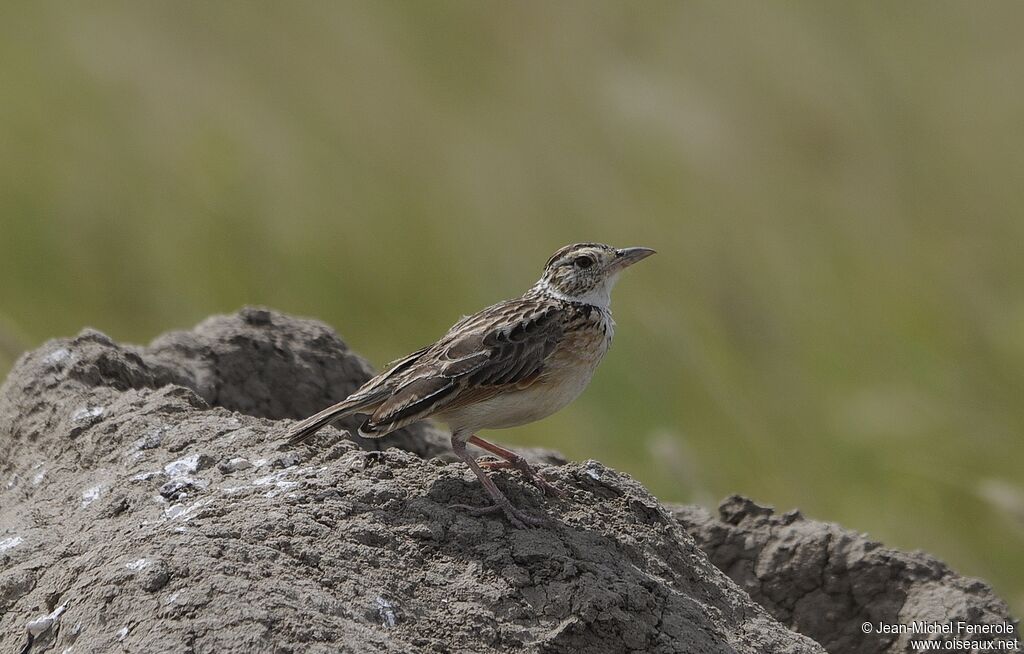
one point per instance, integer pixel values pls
(510, 364)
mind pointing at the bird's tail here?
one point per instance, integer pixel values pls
(300, 431)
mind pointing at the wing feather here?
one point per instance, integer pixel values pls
(366, 398)
(504, 345)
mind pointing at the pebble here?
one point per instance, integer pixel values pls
(57, 357)
(286, 460)
(87, 413)
(11, 542)
(187, 465)
(386, 611)
(174, 511)
(234, 465)
(152, 439)
(177, 488)
(90, 495)
(40, 625)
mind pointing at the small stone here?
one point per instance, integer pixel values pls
(174, 511)
(154, 577)
(151, 439)
(593, 469)
(85, 418)
(234, 465)
(58, 358)
(8, 543)
(386, 613)
(87, 414)
(188, 465)
(40, 625)
(90, 495)
(286, 460)
(177, 488)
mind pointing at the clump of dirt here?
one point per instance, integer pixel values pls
(828, 582)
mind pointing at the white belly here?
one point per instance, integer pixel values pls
(514, 408)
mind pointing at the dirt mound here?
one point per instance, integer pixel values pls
(827, 582)
(147, 504)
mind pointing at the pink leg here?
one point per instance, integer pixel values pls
(513, 460)
(501, 503)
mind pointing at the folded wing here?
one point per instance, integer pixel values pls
(503, 346)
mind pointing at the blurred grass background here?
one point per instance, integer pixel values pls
(835, 319)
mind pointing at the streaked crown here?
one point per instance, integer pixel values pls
(586, 272)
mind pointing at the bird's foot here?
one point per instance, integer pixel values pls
(524, 467)
(519, 519)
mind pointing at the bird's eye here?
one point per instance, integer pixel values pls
(584, 262)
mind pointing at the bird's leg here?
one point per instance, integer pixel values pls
(501, 503)
(513, 460)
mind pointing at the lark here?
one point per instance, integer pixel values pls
(510, 364)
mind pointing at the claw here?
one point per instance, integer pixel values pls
(501, 503)
(522, 466)
(519, 519)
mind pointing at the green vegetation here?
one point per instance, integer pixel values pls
(835, 320)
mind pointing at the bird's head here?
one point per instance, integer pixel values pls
(586, 272)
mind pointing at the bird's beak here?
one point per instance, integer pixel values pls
(628, 256)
